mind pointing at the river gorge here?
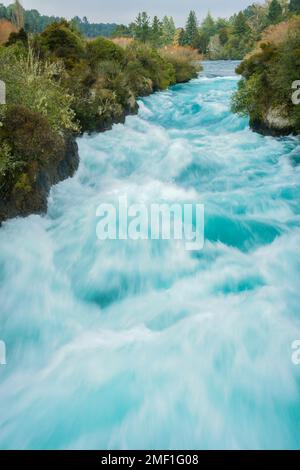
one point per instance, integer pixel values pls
(143, 344)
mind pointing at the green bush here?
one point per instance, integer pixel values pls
(36, 85)
(26, 138)
(58, 83)
(30, 135)
(10, 168)
(183, 71)
(20, 36)
(152, 65)
(102, 49)
(60, 40)
(268, 74)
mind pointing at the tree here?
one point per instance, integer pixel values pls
(275, 12)
(168, 30)
(156, 32)
(207, 30)
(3, 12)
(294, 6)
(208, 25)
(240, 26)
(191, 30)
(141, 27)
(18, 15)
(256, 16)
(123, 31)
(32, 21)
(223, 36)
(179, 37)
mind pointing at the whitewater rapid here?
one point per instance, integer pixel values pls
(127, 344)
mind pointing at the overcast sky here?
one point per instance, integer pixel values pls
(124, 11)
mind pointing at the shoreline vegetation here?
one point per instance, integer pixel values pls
(268, 73)
(215, 38)
(60, 85)
(62, 82)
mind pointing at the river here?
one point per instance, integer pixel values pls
(143, 344)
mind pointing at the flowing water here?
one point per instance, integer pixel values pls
(142, 344)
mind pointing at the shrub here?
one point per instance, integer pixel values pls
(26, 138)
(20, 36)
(102, 49)
(30, 135)
(98, 110)
(35, 84)
(61, 41)
(9, 168)
(8, 165)
(152, 65)
(268, 73)
(185, 61)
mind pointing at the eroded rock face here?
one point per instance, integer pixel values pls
(276, 123)
(277, 118)
(30, 194)
(56, 160)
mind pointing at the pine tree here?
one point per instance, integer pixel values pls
(179, 37)
(294, 6)
(156, 32)
(208, 29)
(141, 27)
(191, 30)
(275, 12)
(168, 30)
(240, 25)
(208, 25)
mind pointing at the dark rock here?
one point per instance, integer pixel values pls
(31, 197)
(264, 128)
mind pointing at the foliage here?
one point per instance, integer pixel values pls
(141, 28)
(185, 60)
(294, 6)
(152, 65)
(34, 22)
(156, 32)
(30, 136)
(10, 168)
(26, 137)
(236, 36)
(102, 49)
(57, 83)
(275, 12)
(20, 36)
(34, 84)
(268, 74)
(168, 30)
(7, 162)
(17, 15)
(191, 34)
(62, 41)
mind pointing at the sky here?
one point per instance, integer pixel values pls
(124, 11)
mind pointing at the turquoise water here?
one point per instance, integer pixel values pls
(124, 344)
